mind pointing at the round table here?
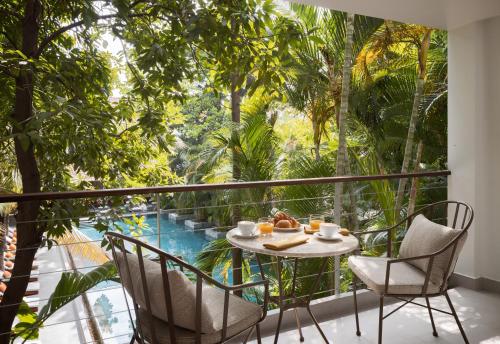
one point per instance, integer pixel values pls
(314, 248)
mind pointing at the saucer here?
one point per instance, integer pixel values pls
(335, 237)
(237, 234)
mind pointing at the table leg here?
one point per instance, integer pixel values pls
(294, 279)
(281, 305)
(281, 291)
(311, 294)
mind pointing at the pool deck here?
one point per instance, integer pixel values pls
(64, 324)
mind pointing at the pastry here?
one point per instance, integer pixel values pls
(283, 224)
(344, 231)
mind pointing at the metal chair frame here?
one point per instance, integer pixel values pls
(117, 242)
(466, 222)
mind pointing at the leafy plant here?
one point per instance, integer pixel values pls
(70, 286)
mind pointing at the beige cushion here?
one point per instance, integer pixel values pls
(425, 237)
(183, 295)
(403, 279)
(242, 315)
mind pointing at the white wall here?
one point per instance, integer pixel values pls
(446, 14)
(474, 140)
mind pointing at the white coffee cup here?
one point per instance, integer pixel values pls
(328, 229)
(246, 227)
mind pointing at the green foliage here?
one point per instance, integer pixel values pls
(70, 286)
(304, 200)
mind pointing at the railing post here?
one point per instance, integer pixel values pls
(158, 219)
(237, 269)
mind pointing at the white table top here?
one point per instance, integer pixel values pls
(314, 248)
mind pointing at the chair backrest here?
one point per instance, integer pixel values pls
(453, 214)
(122, 246)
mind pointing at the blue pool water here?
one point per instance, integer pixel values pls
(174, 238)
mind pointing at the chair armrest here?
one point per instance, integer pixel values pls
(263, 282)
(388, 230)
(408, 259)
(227, 289)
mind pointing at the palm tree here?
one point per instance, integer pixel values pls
(422, 43)
(254, 149)
(413, 60)
(342, 157)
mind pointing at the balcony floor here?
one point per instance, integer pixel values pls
(479, 312)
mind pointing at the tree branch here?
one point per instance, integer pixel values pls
(7, 12)
(7, 72)
(47, 40)
(63, 29)
(11, 41)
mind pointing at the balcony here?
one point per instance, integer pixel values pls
(63, 128)
(477, 309)
(101, 312)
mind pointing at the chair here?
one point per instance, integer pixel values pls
(427, 258)
(170, 308)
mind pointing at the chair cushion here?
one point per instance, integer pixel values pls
(404, 278)
(183, 296)
(425, 237)
(242, 315)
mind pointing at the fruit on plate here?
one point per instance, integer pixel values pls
(344, 231)
(283, 220)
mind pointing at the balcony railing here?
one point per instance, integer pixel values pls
(187, 219)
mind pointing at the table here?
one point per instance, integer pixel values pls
(314, 248)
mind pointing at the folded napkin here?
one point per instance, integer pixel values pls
(286, 243)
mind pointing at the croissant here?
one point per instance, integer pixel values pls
(281, 217)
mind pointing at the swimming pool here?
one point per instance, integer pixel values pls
(174, 238)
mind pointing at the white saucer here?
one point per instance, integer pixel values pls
(335, 237)
(237, 234)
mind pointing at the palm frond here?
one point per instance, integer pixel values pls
(80, 245)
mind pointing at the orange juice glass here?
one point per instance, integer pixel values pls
(265, 225)
(315, 221)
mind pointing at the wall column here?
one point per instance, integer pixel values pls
(474, 140)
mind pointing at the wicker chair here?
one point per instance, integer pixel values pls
(424, 273)
(169, 308)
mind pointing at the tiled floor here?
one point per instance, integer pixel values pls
(479, 312)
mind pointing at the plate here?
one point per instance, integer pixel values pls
(335, 237)
(291, 229)
(237, 234)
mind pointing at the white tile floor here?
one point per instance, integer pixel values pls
(479, 312)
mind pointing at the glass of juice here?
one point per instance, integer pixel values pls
(315, 220)
(265, 225)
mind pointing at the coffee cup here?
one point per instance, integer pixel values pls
(328, 229)
(246, 227)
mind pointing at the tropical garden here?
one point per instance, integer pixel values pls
(103, 94)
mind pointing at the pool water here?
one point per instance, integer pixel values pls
(174, 238)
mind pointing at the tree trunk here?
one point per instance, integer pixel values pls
(354, 223)
(414, 182)
(344, 104)
(28, 235)
(317, 140)
(419, 91)
(237, 262)
(236, 118)
(342, 157)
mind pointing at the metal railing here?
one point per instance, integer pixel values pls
(156, 208)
